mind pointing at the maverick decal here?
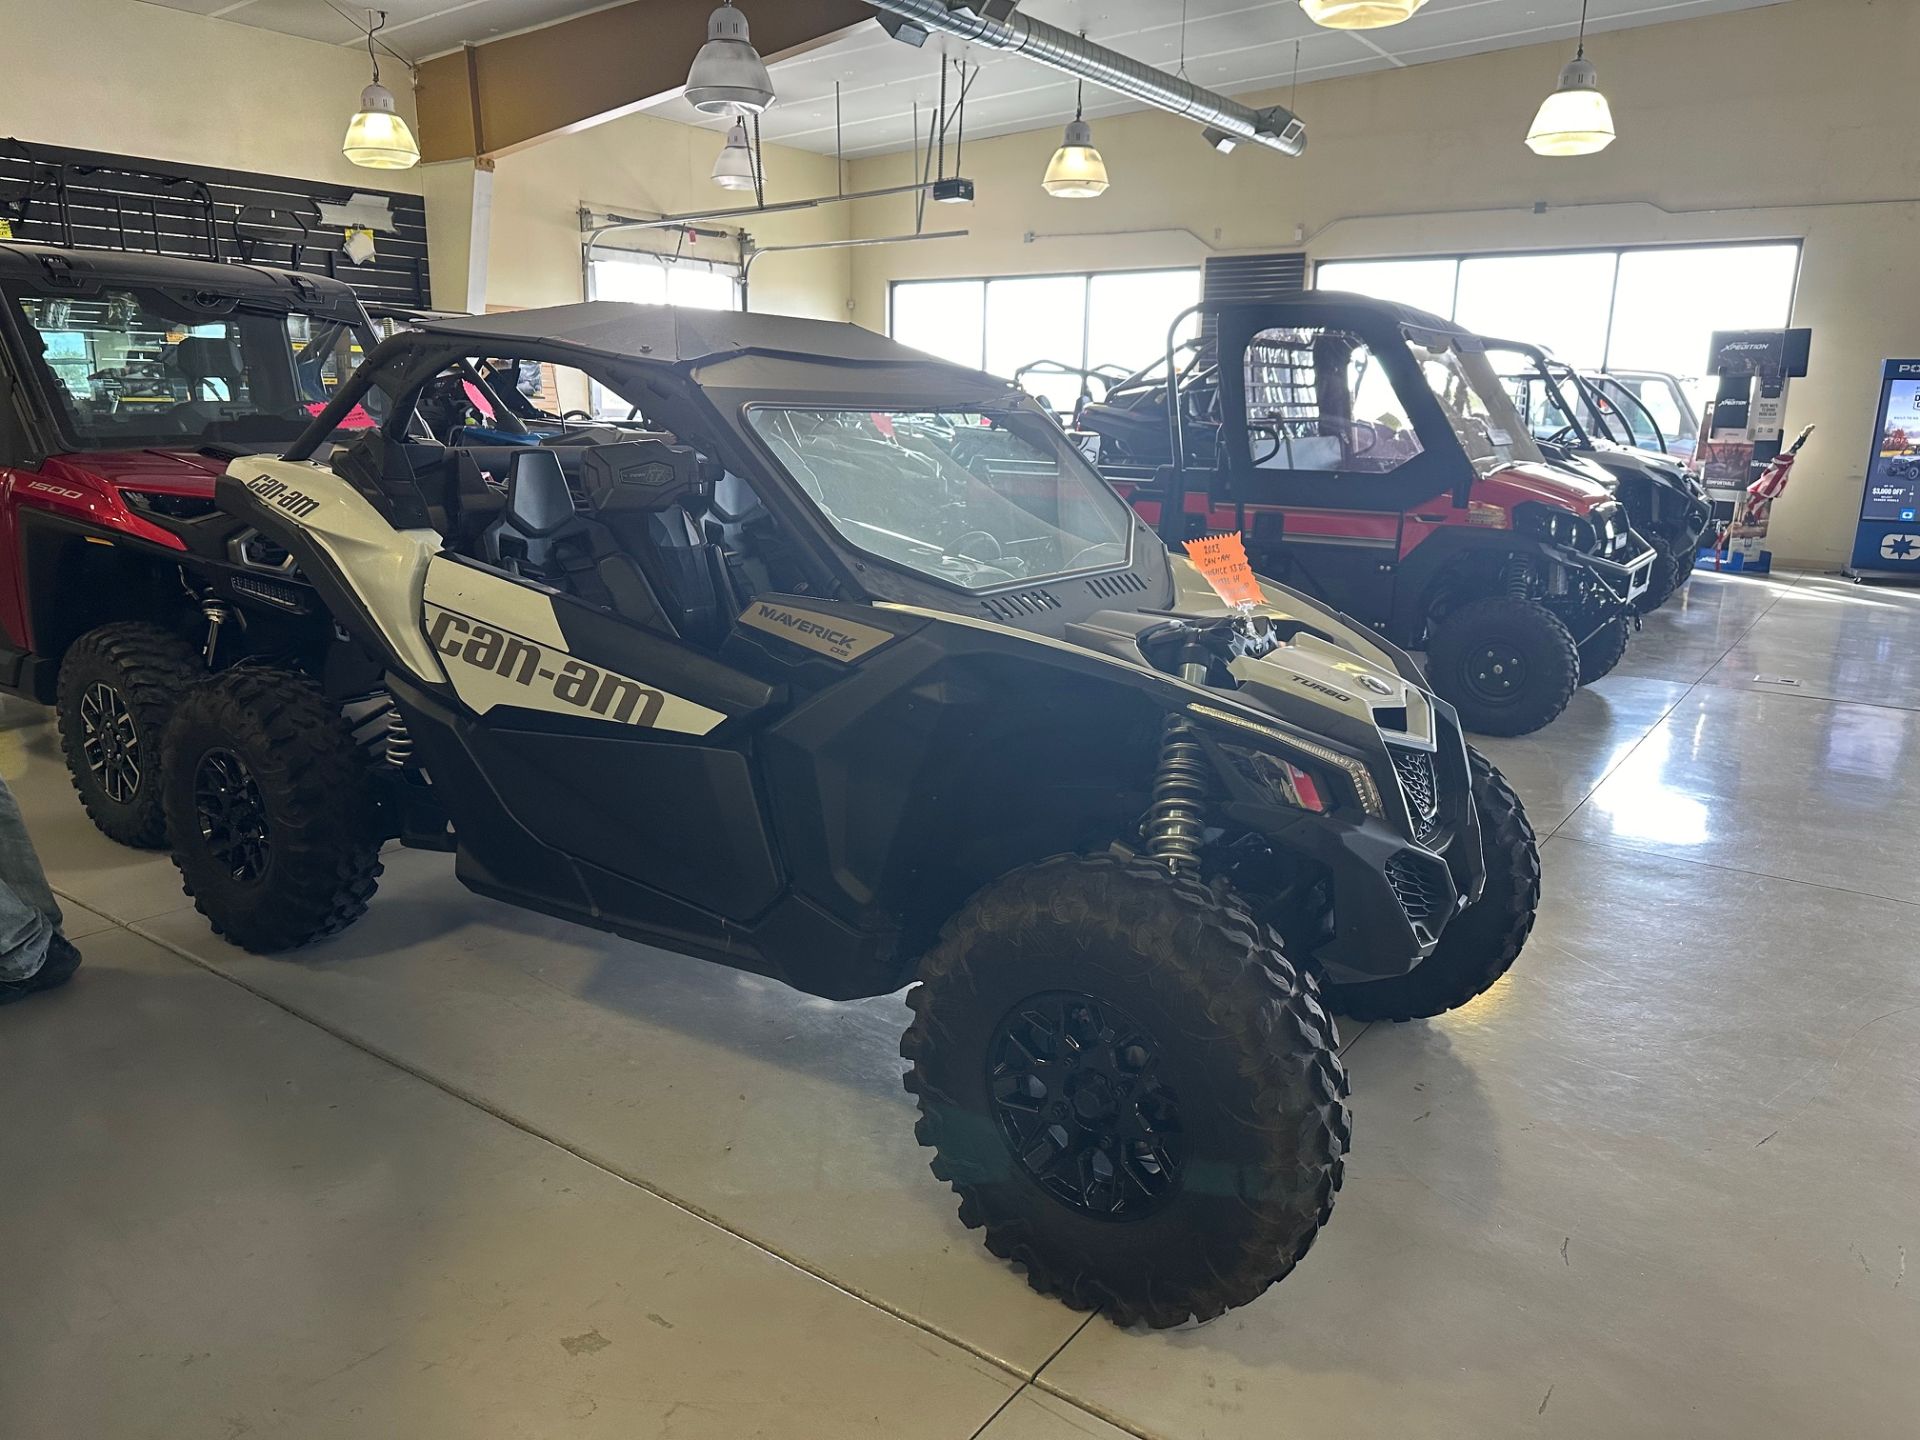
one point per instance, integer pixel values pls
(283, 496)
(575, 683)
(836, 638)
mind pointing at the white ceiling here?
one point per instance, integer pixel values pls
(1235, 46)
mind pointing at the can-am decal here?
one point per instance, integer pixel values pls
(283, 496)
(827, 634)
(541, 671)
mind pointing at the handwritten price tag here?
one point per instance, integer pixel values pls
(1223, 560)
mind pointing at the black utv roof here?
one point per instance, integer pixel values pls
(672, 336)
(80, 272)
(1324, 302)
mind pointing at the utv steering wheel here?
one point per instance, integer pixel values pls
(1565, 435)
(960, 547)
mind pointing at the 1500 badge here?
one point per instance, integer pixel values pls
(540, 671)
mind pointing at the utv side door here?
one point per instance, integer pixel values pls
(1322, 454)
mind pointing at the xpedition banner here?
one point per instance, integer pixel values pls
(1886, 546)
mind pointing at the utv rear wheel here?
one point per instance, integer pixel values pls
(1509, 666)
(271, 810)
(1132, 1091)
(1482, 942)
(1601, 651)
(117, 689)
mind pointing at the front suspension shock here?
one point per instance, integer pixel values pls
(1176, 818)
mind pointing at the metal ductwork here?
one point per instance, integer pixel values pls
(999, 25)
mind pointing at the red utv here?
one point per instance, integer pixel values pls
(1372, 458)
(128, 382)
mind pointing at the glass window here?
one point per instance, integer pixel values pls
(1671, 302)
(1129, 314)
(636, 278)
(135, 367)
(1318, 400)
(1041, 317)
(1559, 302)
(967, 497)
(1424, 284)
(946, 318)
(1478, 406)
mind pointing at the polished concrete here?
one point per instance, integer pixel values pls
(467, 1172)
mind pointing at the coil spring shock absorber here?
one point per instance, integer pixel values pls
(399, 749)
(1177, 814)
(1517, 580)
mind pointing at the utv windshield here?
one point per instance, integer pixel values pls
(131, 367)
(1476, 402)
(973, 498)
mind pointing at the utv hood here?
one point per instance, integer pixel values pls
(1513, 485)
(176, 472)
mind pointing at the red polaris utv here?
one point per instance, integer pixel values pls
(128, 383)
(1372, 458)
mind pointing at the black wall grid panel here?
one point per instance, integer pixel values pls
(57, 196)
(1254, 277)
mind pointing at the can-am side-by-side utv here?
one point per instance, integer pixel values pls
(1374, 460)
(841, 665)
(128, 381)
(1573, 419)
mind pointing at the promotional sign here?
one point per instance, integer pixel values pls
(1886, 545)
(1222, 559)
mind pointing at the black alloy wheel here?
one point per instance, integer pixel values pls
(1079, 1099)
(232, 816)
(110, 742)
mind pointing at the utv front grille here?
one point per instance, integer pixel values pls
(1019, 605)
(1417, 884)
(1421, 788)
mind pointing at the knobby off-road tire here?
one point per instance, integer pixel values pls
(1601, 651)
(117, 689)
(1508, 666)
(1665, 579)
(271, 810)
(1186, 1024)
(1482, 942)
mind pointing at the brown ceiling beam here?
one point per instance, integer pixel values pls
(502, 96)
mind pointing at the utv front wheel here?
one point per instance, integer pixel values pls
(1665, 578)
(1132, 1091)
(1601, 651)
(1481, 943)
(270, 809)
(118, 686)
(1509, 666)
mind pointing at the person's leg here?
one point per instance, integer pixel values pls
(34, 955)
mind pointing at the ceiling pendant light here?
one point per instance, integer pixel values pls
(1076, 171)
(377, 138)
(1575, 119)
(734, 168)
(728, 75)
(1359, 14)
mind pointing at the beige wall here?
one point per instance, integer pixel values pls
(146, 80)
(1772, 123)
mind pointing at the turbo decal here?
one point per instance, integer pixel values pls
(838, 639)
(573, 682)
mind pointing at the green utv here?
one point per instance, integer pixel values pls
(839, 664)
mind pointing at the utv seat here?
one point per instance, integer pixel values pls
(541, 535)
(650, 494)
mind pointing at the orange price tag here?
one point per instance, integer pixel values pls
(1223, 560)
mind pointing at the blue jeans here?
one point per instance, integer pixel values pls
(29, 915)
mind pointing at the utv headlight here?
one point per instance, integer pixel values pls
(1284, 782)
(1307, 757)
(1559, 527)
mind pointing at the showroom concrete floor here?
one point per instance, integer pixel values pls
(467, 1172)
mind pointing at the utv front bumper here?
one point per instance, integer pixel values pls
(1624, 578)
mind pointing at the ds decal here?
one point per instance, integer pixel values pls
(585, 687)
(839, 639)
(278, 493)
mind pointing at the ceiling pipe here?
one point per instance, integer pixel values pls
(608, 224)
(757, 251)
(999, 25)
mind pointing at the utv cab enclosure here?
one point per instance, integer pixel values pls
(1372, 458)
(840, 664)
(128, 382)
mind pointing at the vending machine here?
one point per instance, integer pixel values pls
(1886, 543)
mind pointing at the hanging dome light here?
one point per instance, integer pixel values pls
(377, 138)
(733, 168)
(1076, 171)
(1359, 14)
(1575, 119)
(728, 75)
